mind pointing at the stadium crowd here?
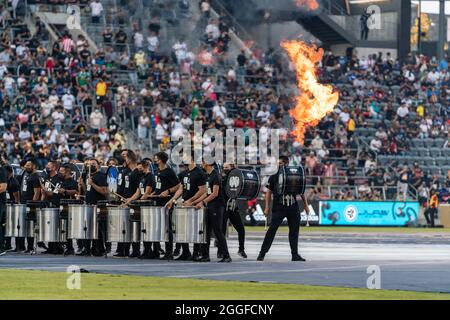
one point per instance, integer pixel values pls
(61, 100)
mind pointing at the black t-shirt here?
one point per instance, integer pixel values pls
(123, 171)
(29, 183)
(68, 185)
(164, 180)
(147, 181)
(131, 183)
(54, 184)
(92, 196)
(281, 202)
(192, 180)
(13, 187)
(213, 179)
(3, 179)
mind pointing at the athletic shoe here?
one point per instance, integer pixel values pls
(69, 252)
(242, 254)
(205, 259)
(2, 252)
(297, 257)
(135, 255)
(260, 257)
(167, 257)
(225, 260)
(184, 257)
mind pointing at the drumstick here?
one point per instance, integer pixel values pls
(118, 195)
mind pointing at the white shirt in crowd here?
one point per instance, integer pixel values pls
(153, 43)
(58, 117)
(96, 118)
(402, 111)
(96, 8)
(68, 99)
(219, 112)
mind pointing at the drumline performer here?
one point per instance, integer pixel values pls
(284, 206)
(50, 192)
(214, 202)
(193, 182)
(166, 184)
(13, 195)
(30, 191)
(68, 190)
(131, 186)
(146, 187)
(95, 188)
(231, 212)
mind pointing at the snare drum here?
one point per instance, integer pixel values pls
(16, 220)
(48, 225)
(243, 184)
(189, 225)
(82, 222)
(119, 224)
(154, 224)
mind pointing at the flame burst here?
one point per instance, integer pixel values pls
(315, 100)
(310, 4)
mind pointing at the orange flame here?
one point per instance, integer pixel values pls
(311, 4)
(315, 100)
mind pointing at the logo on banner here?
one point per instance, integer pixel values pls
(351, 214)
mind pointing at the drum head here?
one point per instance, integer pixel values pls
(291, 180)
(112, 174)
(242, 184)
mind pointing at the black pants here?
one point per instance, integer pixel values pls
(364, 33)
(169, 245)
(214, 221)
(293, 218)
(99, 245)
(236, 222)
(430, 215)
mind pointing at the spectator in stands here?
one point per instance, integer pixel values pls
(96, 11)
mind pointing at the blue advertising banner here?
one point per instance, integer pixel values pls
(361, 213)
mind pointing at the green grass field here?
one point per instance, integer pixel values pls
(358, 230)
(18, 284)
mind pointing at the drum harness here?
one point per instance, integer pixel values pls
(288, 200)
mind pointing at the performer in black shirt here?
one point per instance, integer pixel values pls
(95, 187)
(30, 191)
(3, 190)
(68, 190)
(130, 186)
(50, 192)
(194, 186)
(231, 213)
(146, 187)
(13, 194)
(214, 201)
(284, 206)
(166, 184)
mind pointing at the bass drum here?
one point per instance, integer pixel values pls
(243, 184)
(291, 180)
